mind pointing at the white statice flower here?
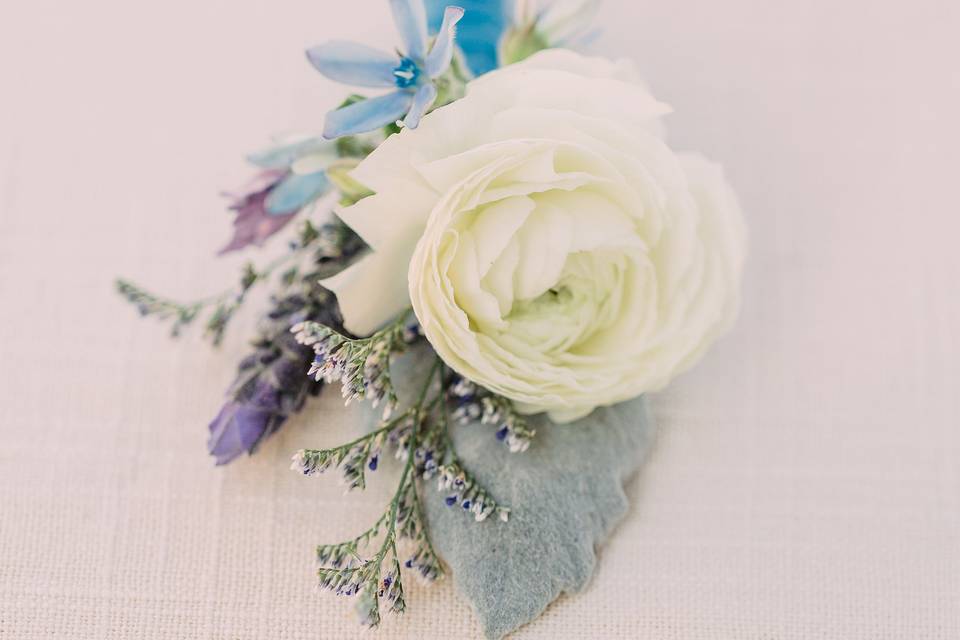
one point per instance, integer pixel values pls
(554, 249)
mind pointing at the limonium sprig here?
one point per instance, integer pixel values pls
(362, 365)
(357, 455)
(474, 403)
(421, 438)
(343, 570)
(464, 490)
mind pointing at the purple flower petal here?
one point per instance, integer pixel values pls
(354, 64)
(442, 51)
(236, 430)
(422, 100)
(262, 181)
(295, 192)
(410, 17)
(252, 224)
(367, 115)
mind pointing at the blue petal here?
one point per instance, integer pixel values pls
(283, 155)
(367, 115)
(411, 19)
(442, 51)
(352, 63)
(479, 31)
(296, 191)
(422, 100)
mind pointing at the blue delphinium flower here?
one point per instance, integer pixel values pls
(410, 74)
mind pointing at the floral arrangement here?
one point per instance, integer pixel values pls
(507, 211)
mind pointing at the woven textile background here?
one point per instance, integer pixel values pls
(806, 483)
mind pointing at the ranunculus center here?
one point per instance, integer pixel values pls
(547, 272)
(583, 302)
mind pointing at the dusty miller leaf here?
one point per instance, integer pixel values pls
(565, 493)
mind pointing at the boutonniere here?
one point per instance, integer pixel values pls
(515, 257)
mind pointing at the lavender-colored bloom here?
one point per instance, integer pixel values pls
(253, 224)
(410, 74)
(277, 193)
(272, 384)
(237, 429)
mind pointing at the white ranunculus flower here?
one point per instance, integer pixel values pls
(554, 249)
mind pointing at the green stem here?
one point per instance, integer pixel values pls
(445, 430)
(387, 427)
(398, 321)
(423, 520)
(261, 275)
(389, 541)
(426, 386)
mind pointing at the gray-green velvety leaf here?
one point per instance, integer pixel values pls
(565, 494)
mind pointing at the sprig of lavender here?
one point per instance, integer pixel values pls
(272, 381)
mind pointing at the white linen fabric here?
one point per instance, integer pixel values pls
(807, 479)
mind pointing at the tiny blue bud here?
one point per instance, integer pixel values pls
(502, 433)
(450, 500)
(373, 463)
(466, 504)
